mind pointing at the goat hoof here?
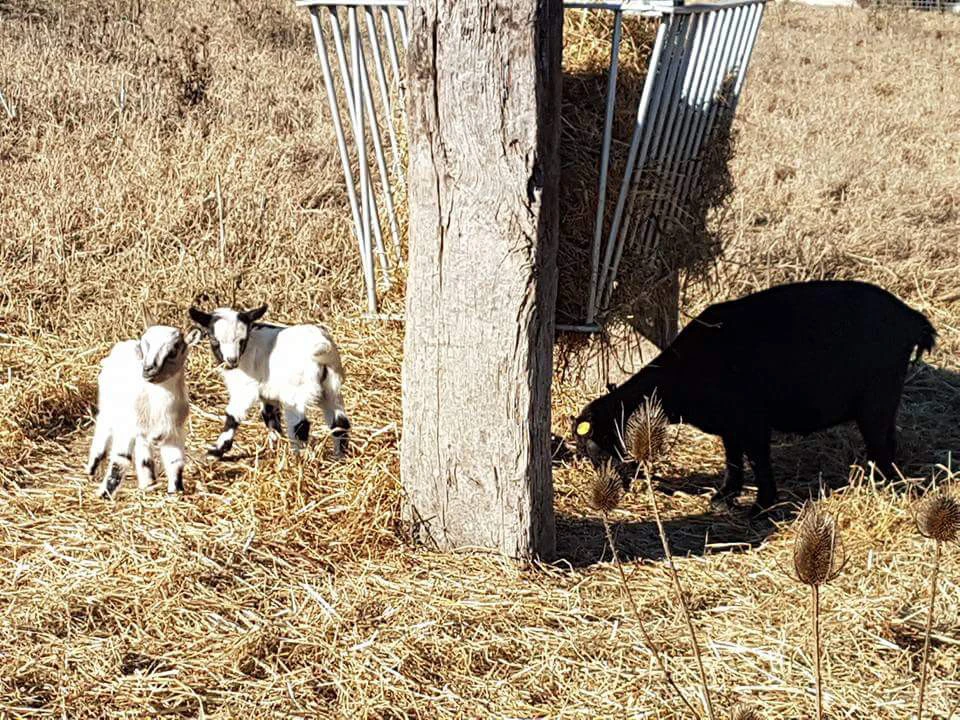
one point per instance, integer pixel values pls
(340, 449)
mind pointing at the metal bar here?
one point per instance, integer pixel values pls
(650, 9)
(694, 101)
(674, 76)
(402, 22)
(699, 102)
(337, 124)
(724, 32)
(667, 124)
(351, 86)
(733, 66)
(645, 100)
(390, 37)
(367, 112)
(681, 119)
(378, 247)
(730, 44)
(693, 9)
(676, 27)
(350, 3)
(340, 47)
(626, 6)
(604, 162)
(365, 190)
(588, 328)
(381, 73)
(381, 160)
(745, 65)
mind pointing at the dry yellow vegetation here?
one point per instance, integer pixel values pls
(279, 587)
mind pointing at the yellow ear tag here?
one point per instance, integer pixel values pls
(583, 428)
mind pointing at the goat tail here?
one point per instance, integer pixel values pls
(926, 338)
(327, 357)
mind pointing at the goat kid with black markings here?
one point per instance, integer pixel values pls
(143, 401)
(282, 367)
(794, 358)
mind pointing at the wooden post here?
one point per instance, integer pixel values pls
(484, 104)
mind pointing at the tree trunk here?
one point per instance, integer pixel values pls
(484, 108)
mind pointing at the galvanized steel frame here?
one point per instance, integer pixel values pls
(699, 51)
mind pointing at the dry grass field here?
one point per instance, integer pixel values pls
(281, 587)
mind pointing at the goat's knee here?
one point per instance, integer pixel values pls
(298, 427)
(146, 473)
(98, 447)
(116, 470)
(225, 440)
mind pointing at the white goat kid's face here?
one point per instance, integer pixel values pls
(228, 337)
(162, 351)
(228, 330)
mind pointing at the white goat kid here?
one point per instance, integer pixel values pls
(290, 367)
(142, 401)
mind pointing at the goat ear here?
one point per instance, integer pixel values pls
(252, 315)
(611, 387)
(200, 317)
(193, 337)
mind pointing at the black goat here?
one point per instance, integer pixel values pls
(794, 358)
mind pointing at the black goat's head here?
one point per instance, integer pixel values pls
(598, 430)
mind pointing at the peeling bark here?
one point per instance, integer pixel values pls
(484, 118)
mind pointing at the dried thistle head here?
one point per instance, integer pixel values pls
(817, 551)
(744, 712)
(646, 432)
(607, 488)
(938, 517)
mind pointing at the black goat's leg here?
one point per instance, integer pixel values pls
(758, 452)
(733, 480)
(878, 426)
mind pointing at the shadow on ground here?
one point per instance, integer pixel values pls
(928, 436)
(581, 541)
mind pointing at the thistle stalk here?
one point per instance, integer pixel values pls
(937, 518)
